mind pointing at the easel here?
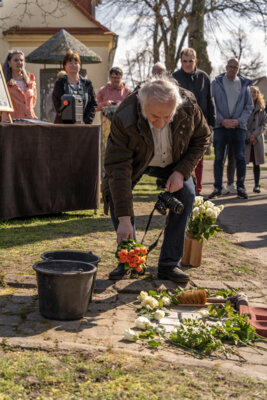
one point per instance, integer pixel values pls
(5, 100)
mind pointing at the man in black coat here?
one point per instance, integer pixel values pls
(198, 82)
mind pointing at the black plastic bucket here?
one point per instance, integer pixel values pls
(75, 256)
(64, 288)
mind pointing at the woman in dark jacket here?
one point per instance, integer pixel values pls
(73, 83)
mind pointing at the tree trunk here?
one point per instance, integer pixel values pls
(196, 35)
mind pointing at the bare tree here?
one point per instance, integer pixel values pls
(251, 63)
(167, 24)
(138, 67)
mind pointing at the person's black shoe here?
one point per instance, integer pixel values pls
(257, 189)
(215, 193)
(241, 193)
(174, 274)
(118, 273)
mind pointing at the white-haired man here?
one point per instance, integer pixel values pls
(159, 130)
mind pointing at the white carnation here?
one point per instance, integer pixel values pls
(159, 314)
(142, 323)
(130, 335)
(150, 301)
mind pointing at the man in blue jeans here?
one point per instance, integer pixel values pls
(234, 105)
(161, 131)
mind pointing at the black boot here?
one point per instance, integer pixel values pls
(118, 273)
(174, 274)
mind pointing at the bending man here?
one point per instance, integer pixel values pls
(161, 131)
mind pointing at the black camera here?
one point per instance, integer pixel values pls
(166, 200)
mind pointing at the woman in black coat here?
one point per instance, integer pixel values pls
(73, 83)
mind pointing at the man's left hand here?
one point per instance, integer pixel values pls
(175, 182)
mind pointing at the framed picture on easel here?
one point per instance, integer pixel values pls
(5, 100)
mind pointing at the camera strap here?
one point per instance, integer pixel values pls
(153, 245)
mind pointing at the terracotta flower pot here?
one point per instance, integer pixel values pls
(192, 251)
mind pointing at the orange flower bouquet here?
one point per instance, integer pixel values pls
(132, 255)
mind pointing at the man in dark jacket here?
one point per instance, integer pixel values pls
(160, 131)
(198, 82)
(233, 107)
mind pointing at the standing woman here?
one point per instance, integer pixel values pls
(21, 86)
(74, 83)
(255, 139)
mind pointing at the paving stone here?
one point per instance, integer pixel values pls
(25, 281)
(11, 320)
(133, 286)
(241, 285)
(212, 285)
(103, 285)
(160, 285)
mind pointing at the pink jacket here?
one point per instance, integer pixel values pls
(23, 102)
(109, 93)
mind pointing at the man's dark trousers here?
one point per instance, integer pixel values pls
(236, 137)
(173, 242)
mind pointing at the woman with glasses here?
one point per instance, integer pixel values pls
(74, 83)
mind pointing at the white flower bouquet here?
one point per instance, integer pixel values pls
(202, 221)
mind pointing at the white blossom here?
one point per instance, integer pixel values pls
(166, 301)
(159, 314)
(195, 212)
(210, 212)
(130, 335)
(202, 209)
(198, 201)
(142, 323)
(209, 204)
(204, 313)
(142, 296)
(150, 301)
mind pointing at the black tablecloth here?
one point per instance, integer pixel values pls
(45, 169)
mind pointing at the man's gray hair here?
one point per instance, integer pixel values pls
(164, 90)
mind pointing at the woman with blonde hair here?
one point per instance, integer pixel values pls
(255, 131)
(21, 86)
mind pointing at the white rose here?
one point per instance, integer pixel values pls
(218, 211)
(150, 301)
(198, 200)
(195, 212)
(208, 204)
(142, 323)
(130, 335)
(159, 314)
(202, 209)
(210, 212)
(221, 207)
(166, 301)
(204, 313)
(142, 296)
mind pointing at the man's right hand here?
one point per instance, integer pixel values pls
(229, 123)
(125, 229)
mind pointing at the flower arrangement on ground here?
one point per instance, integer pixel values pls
(211, 329)
(133, 255)
(202, 221)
